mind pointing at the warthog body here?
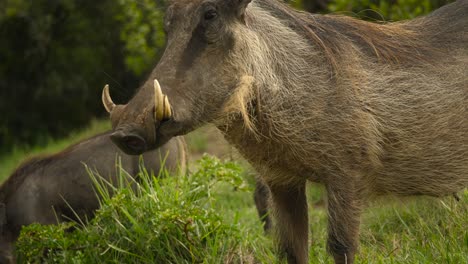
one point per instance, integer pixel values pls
(44, 189)
(365, 109)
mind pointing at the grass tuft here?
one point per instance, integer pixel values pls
(149, 220)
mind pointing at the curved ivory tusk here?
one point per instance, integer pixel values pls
(158, 101)
(167, 108)
(107, 100)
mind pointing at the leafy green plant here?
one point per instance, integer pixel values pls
(148, 220)
(142, 33)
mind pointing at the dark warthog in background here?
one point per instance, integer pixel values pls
(43, 189)
(365, 109)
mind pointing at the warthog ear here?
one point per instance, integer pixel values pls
(240, 6)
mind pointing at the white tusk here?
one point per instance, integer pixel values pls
(158, 102)
(167, 108)
(107, 100)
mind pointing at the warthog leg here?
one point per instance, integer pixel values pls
(290, 206)
(343, 221)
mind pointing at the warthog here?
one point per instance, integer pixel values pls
(58, 187)
(365, 109)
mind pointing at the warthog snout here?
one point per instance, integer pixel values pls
(131, 140)
(131, 143)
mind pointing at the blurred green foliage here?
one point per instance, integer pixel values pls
(56, 55)
(142, 33)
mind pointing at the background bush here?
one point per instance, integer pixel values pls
(55, 57)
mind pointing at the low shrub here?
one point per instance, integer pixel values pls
(148, 220)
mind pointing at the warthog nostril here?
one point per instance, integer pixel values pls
(130, 143)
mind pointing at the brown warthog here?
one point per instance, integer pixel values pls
(46, 189)
(365, 109)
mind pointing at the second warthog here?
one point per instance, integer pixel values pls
(365, 109)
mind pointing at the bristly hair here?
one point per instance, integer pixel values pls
(388, 43)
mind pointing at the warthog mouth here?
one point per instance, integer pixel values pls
(130, 139)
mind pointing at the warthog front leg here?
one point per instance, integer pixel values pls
(343, 221)
(290, 206)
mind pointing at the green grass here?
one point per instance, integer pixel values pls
(209, 217)
(197, 142)
(419, 230)
(163, 220)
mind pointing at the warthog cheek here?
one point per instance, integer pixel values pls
(116, 115)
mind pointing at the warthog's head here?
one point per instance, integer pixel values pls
(193, 81)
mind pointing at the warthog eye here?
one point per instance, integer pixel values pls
(210, 14)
